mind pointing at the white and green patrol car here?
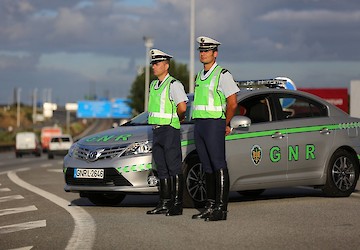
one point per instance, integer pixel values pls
(280, 138)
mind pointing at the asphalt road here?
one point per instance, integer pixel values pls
(35, 213)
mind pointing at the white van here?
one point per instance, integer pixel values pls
(59, 145)
(27, 143)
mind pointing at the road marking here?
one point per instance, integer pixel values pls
(5, 189)
(22, 226)
(355, 194)
(83, 235)
(23, 248)
(56, 170)
(45, 165)
(17, 210)
(11, 198)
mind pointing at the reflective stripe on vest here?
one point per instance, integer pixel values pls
(208, 102)
(162, 110)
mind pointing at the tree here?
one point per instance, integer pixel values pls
(137, 91)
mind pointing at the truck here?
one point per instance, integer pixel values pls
(46, 134)
(27, 143)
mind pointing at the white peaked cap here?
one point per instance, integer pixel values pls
(207, 43)
(158, 56)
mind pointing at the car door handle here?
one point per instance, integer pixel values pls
(325, 131)
(277, 135)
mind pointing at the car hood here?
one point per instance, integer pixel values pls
(119, 135)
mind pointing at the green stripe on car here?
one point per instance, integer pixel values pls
(134, 168)
(284, 131)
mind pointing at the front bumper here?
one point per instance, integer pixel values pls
(127, 175)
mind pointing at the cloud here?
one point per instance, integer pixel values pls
(313, 16)
(75, 42)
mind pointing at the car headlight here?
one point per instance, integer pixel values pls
(72, 149)
(137, 148)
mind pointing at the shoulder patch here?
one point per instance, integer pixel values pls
(223, 71)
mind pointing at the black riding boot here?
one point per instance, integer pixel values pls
(222, 195)
(165, 198)
(177, 187)
(210, 193)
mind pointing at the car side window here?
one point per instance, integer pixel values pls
(294, 107)
(256, 108)
(55, 139)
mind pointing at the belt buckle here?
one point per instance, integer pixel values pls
(156, 126)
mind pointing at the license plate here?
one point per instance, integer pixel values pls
(88, 173)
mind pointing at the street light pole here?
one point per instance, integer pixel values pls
(192, 45)
(149, 42)
(34, 104)
(18, 90)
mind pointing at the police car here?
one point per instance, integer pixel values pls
(281, 137)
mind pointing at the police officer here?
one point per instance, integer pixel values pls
(167, 106)
(214, 106)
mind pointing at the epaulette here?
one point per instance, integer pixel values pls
(223, 71)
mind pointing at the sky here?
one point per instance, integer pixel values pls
(64, 50)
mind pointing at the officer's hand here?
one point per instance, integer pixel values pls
(228, 130)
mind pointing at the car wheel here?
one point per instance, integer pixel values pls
(251, 193)
(105, 199)
(342, 174)
(195, 189)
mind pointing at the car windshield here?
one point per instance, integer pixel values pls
(142, 119)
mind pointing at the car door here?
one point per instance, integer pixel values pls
(310, 135)
(255, 154)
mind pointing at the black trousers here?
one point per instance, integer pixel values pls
(209, 137)
(166, 151)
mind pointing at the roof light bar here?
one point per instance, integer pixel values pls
(266, 83)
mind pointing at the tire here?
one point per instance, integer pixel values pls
(105, 199)
(194, 186)
(251, 193)
(342, 174)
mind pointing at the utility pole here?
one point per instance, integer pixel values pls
(149, 42)
(18, 90)
(192, 45)
(34, 105)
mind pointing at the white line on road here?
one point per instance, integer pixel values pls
(17, 210)
(83, 235)
(23, 248)
(11, 198)
(355, 194)
(45, 165)
(56, 170)
(22, 226)
(5, 189)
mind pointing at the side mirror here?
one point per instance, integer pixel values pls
(240, 122)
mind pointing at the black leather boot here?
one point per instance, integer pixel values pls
(177, 187)
(210, 194)
(222, 195)
(165, 198)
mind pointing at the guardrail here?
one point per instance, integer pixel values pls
(7, 147)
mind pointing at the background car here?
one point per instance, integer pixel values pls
(280, 138)
(59, 145)
(27, 143)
